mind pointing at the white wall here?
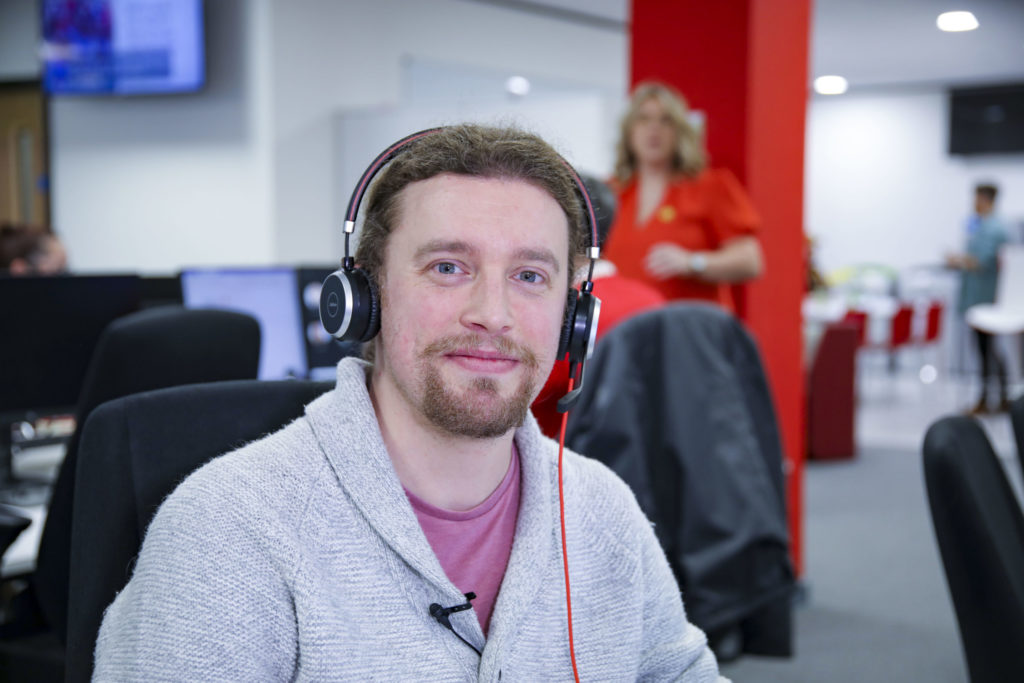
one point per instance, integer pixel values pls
(246, 172)
(335, 58)
(153, 184)
(580, 126)
(880, 186)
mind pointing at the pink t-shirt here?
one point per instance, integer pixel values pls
(474, 545)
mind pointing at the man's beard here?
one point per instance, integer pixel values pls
(478, 412)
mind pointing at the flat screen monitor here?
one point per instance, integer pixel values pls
(322, 350)
(987, 120)
(122, 47)
(267, 294)
(161, 290)
(50, 329)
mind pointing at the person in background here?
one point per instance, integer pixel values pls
(979, 268)
(30, 250)
(687, 230)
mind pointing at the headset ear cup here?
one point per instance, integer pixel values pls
(567, 324)
(349, 309)
(373, 300)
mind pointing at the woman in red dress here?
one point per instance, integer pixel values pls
(687, 230)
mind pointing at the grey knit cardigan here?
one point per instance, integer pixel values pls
(299, 558)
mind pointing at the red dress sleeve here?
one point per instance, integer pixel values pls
(729, 209)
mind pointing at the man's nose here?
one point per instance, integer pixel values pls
(488, 309)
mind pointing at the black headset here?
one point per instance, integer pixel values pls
(350, 307)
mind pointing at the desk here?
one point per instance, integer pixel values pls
(40, 465)
(20, 558)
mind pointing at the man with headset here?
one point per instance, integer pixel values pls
(408, 526)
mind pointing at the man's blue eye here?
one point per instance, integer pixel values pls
(446, 268)
(529, 276)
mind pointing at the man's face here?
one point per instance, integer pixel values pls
(54, 259)
(982, 204)
(473, 294)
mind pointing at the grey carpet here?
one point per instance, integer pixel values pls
(875, 606)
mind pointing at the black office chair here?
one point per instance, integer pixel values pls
(150, 349)
(676, 401)
(134, 452)
(980, 531)
(1017, 420)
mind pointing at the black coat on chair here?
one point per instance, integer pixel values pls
(676, 402)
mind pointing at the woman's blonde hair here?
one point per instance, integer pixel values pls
(690, 158)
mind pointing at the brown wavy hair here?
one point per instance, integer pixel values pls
(470, 150)
(690, 157)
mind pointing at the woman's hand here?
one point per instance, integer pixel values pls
(738, 260)
(666, 260)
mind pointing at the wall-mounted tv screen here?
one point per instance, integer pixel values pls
(122, 47)
(987, 120)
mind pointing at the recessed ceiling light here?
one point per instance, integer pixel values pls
(956, 21)
(830, 85)
(517, 85)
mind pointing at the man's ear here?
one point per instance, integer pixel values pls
(19, 266)
(579, 275)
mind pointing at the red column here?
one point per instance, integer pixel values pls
(744, 64)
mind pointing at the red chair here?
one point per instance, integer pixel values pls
(831, 393)
(900, 332)
(859, 319)
(933, 322)
(902, 324)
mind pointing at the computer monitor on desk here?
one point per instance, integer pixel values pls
(51, 326)
(50, 329)
(267, 294)
(161, 290)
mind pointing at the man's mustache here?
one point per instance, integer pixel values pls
(468, 342)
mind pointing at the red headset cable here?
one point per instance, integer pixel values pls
(565, 552)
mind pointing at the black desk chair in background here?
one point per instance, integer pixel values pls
(1017, 420)
(980, 531)
(134, 452)
(677, 403)
(150, 349)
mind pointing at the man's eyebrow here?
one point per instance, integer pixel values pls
(541, 255)
(451, 246)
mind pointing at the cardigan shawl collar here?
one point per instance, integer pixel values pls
(365, 472)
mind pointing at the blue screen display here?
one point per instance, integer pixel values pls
(268, 294)
(123, 47)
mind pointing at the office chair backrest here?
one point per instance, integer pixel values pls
(134, 452)
(980, 531)
(1017, 420)
(831, 393)
(679, 406)
(154, 348)
(933, 321)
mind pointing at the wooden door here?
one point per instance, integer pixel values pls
(24, 167)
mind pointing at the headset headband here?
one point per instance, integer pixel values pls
(593, 251)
